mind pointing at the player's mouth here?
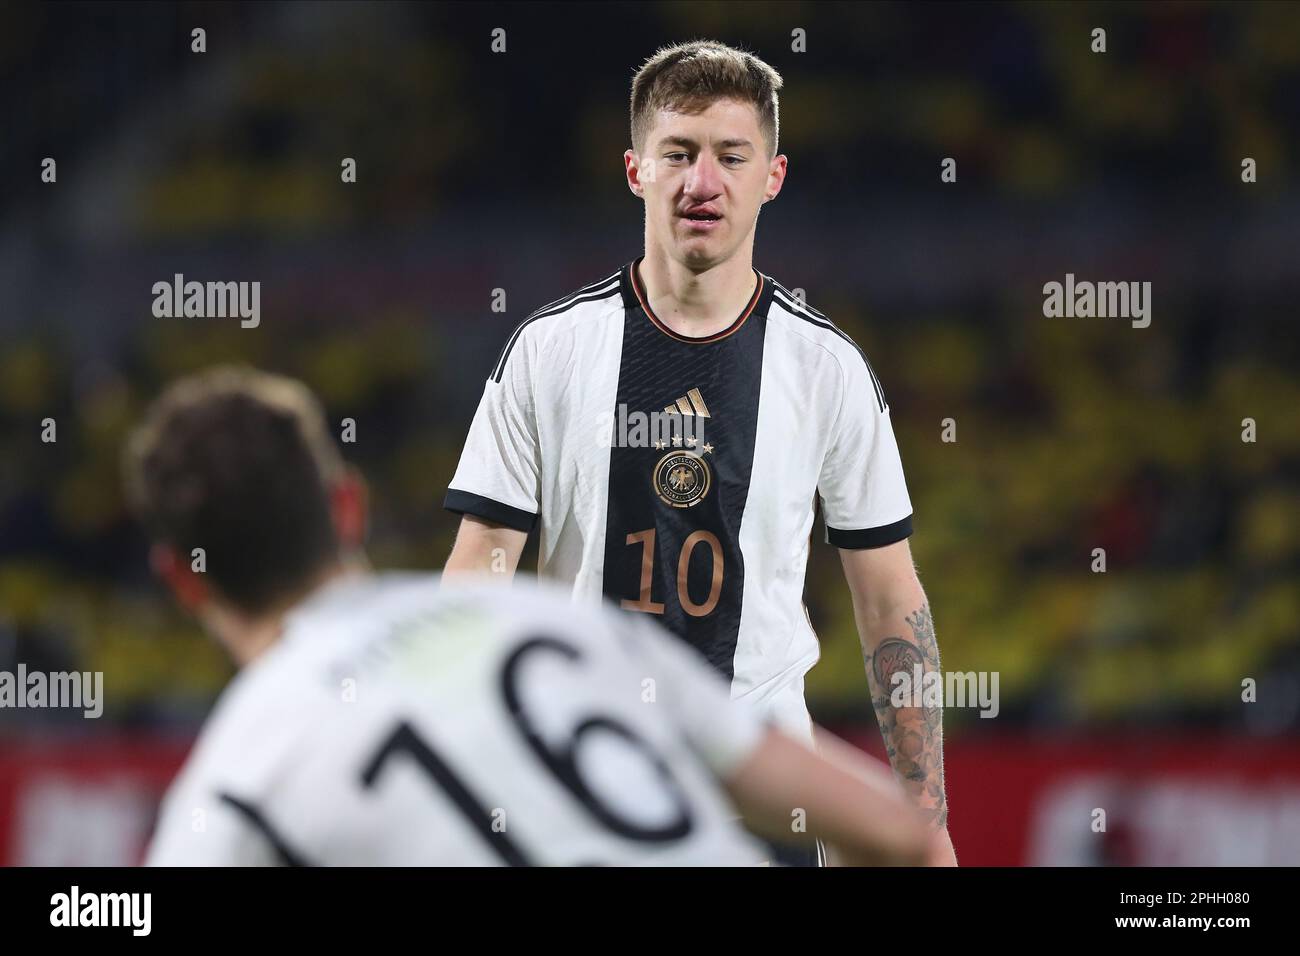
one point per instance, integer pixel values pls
(703, 221)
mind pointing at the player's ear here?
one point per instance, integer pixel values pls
(776, 171)
(186, 585)
(632, 166)
(350, 509)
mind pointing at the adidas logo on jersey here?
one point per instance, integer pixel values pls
(692, 403)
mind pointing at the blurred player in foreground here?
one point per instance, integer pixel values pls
(377, 720)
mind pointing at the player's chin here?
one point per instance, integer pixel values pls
(698, 256)
(702, 248)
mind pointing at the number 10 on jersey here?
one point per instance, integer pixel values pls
(647, 541)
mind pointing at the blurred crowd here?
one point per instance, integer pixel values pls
(1071, 435)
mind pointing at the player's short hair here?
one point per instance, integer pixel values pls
(240, 463)
(690, 77)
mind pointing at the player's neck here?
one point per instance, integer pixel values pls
(697, 304)
(248, 636)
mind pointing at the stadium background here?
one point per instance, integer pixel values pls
(481, 170)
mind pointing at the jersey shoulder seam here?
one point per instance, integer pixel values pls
(801, 310)
(590, 293)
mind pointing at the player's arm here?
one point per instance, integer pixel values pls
(850, 801)
(897, 634)
(497, 485)
(868, 516)
(851, 804)
(483, 547)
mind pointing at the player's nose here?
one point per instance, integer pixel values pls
(704, 180)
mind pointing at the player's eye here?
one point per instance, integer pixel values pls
(738, 159)
(671, 155)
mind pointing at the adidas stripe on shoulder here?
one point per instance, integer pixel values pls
(602, 289)
(796, 306)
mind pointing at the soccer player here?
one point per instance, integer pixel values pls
(705, 524)
(379, 719)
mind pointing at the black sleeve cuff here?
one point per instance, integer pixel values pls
(870, 537)
(467, 503)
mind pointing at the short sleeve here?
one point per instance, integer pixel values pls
(863, 492)
(722, 732)
(499, 472)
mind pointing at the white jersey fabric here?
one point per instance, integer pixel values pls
(706, 531)
(397, 722)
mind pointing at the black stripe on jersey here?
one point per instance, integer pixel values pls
(555, 308)
(655, 369)
(865, 538)
(809, 314)
(468, 503)
(287, 855)
(562, 300)
(784, 854)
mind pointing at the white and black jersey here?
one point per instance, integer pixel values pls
(700, 514)
(398, 723)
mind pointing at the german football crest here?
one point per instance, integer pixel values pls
(682, 479)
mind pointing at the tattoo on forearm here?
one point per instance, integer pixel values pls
(913, 735)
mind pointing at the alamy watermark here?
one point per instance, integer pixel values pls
(208, 300)
(1104, 300)
(132, 911)
(916, 688)
(662, 430)
(75, 690)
